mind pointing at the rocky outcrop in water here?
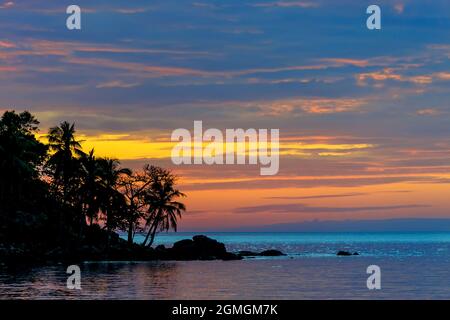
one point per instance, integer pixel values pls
(198, 248)
(266, 253)
(346, 253)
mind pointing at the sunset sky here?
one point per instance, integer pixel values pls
(364, 116)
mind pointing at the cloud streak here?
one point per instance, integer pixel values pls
(303, 208)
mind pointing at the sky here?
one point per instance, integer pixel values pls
(363, 114)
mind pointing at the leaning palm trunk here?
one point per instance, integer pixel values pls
(152, 230)
(152, 238)
(149, 233)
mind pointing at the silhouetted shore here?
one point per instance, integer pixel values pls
(198, 248)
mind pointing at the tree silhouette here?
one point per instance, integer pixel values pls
(112, 202)
(134, 187)
(64, 167)
(57, 188)
(90, 186)
(64, 160)
(164, 211)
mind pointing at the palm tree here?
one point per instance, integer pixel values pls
(111, 201)
(90, 186)
(64, 165)
(66, 149)
(164, 211)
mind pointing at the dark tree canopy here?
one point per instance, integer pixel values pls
(55, 194)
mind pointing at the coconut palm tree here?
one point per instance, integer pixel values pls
(64, 168)
(90, 186)
(164, 211)
(66, 150)
(111, 200)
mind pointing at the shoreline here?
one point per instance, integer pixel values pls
(199, 248)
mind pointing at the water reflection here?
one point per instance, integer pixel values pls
(301, 278)
(102, 280)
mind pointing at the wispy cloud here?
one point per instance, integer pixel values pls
(7, 5)
(312, 106)
(131, 10)
(332, 196)
(428, 112)
(117, 84)
(390, 74)
(348, 61)
(303, 208)
(321, 196)
(288, 4)
(7, 44)
(399, 7)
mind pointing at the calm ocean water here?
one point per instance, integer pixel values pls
(413, 266)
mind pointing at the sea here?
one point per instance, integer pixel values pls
(411, 266)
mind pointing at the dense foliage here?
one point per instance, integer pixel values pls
(54, 194)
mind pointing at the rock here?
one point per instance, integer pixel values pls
(248, 254)
(231, 256)
(267, 253)
(160, 248)
(202, 238)
(200, 248)
(346, 253)
(183, 244)
(271, 253)
(209, 247)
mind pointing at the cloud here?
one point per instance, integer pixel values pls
(72, 54)
(204, 5)
(7, 5)
(321, 196)
(312, 106)
(8, 69)
(346, 61)
(442, 75)
(117, 84)
(57, 10)
(131, 10)
(399, 8)
(331, 196)
(303, 208)
(288, 4)
(326, 146)
(6, 44)
(390, 74)
(305, 182)
(428, 112)
(138, 68)
(44, 47)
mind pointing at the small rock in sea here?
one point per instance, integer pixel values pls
(267, 253)
(248, 254)
(271, 253)
(346, 253)
(200, 248)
